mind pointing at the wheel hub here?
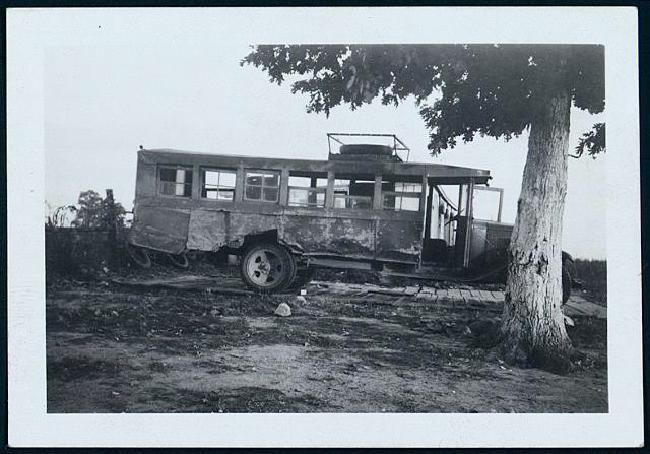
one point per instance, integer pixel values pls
(264, 268)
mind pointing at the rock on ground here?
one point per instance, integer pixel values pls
(283, 310)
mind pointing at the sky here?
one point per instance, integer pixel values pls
(103, 101)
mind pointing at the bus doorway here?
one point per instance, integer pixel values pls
(448, 218)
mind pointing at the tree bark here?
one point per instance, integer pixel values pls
(533, 330)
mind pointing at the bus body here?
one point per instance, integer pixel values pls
(363, 207)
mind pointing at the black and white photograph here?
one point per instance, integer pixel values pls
(251, 218)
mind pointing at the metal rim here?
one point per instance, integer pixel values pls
(264, 267)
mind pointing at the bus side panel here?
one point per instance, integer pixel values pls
(337, 235)
(243, 224)
(399, 239)
(208, 230)
(145, 183)
(161, 229)
(211, 230)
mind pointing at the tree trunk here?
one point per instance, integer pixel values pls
(533, 331)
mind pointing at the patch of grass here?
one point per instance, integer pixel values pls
(593, 275)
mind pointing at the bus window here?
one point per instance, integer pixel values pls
(487, 204)
(306, 191)
(262, 185)
(218, 184)
(354, 193)
(175, 181)
(401, 196)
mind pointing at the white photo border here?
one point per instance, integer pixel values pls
(30, 31)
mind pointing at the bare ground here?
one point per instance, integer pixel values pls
(115, 349)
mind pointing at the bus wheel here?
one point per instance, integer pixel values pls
(267, 267)
(179, 260)
(139, 256)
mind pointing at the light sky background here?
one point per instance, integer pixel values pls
(102, 102)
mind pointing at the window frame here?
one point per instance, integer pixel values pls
(262, 186)
(408, 191)
(347, 197)
(338, 193)
(217, 189)
(175, 167)
(402, 195)
(310, 190)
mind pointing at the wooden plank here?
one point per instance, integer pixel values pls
(498, 295)
(573, 309)
(398, 291)
(466, 295)
(580, 306)
(478, 296)
(411, 290)
(491, 297)
(442, 293)
(426, 297)
(455, 294)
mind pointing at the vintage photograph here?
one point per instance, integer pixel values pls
(362, 276)
(245, 223)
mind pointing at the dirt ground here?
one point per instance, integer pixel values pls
(112, 348)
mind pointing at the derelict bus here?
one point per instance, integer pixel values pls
(365, 207)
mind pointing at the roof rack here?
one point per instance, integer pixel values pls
(397, 144)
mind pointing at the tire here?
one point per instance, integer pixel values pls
(267, 267)
(567, 280)
(179, 260)
(139, 256)
(366, 149)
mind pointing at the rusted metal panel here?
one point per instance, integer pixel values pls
(211, 230)
(208, 230)
(399, 239)
(160, 229)
(330, 234)
(242, 224)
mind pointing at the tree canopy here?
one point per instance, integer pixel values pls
(485, 90)
(95, 212)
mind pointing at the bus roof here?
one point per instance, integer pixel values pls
(410, 170)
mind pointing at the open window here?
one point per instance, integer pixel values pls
(262, 186)
(400, 195)
(307, 190)
(218, 184)
(487, 203)
(354, 191)
(175, 181)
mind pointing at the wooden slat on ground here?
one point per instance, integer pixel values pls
(363, 293)
(580, 306)
(442, 293)
(498, 295)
